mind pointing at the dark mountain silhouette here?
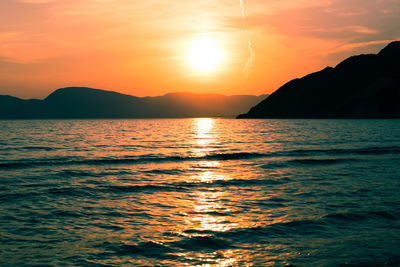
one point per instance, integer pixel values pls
(82, 102)
(363, 86)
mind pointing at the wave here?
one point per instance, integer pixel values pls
(199, 243)
(71, 191)
(167, 250)
(317, 226)
(168, 172)
(357, 216)
(102, 190)
(357, 151)
(235, 156)
(81, 173)
(314, 161)
(148, 249)
(186, 186)
(141, 188)
(65, 161)
(280, 229)
(32, 148)
(306, 161)
(39, 148)
(68, 161)
(208, 240)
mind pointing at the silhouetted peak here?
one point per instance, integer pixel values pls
(362, 86)
(328, 69)
(391, 50)
(74, 90)
(9, 98)
(391, 53)
(83, 102)
(80, 92)
(356, 62)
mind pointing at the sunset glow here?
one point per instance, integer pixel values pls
(150, 48)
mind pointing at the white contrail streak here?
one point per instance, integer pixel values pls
(252, 55)
(242, 7)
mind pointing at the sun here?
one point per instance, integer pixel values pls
(205, 55)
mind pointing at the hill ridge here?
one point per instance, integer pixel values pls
(86, 102)
(361, 86)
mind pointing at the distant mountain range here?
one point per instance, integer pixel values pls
(82, 102)
(363, 86)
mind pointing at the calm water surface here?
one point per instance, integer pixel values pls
(200, 192)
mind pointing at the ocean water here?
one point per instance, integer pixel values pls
(200, 192)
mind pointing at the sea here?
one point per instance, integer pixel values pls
(200, 192)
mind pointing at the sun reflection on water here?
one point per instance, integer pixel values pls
(208, 212)
(204, 136)
(209, 177)
(204, 124)
(215, 207)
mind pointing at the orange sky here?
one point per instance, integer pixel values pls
(140, 47)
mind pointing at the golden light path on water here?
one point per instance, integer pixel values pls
(204, 136)
(206, 203)
(211, 207)
(208, 210)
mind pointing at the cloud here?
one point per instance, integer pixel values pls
(10, 36)
(337, 19)
(360, 46)
(38, 1)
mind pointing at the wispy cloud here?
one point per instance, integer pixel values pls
(350, 19)
(353, 46)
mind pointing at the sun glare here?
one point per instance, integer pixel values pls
(205, 55)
